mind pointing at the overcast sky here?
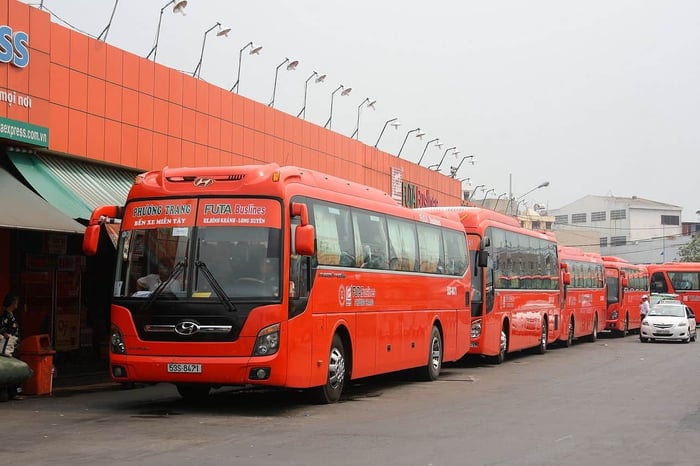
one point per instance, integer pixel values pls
(597, 97)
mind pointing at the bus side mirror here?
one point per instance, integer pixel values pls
(483, 258)
(567, 278)
(304, 240)
(91, 239)
(624, 282)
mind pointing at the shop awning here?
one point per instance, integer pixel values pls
(21, 208)
(74, 187)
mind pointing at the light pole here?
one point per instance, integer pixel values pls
(219, 33)
(253, 51)
(370, 104)
(471, 196)
(178, 8)
(490, 190)
(437, 165)
(345, 92)
(394, 122)
(406, 138)
(544, 184)
(437, 143)
(495, 207)
(291, 66)
(319, 79)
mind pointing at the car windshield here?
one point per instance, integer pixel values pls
(668, 311)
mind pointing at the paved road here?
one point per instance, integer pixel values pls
(615, 402)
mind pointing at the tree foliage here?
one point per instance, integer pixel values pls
(690, 252)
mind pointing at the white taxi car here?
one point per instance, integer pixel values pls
(669, 320)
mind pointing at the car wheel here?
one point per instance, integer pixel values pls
(643, 340)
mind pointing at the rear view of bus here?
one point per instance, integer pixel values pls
(681, 278)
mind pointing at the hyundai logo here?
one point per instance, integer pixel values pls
(202, 182)
(187, 327)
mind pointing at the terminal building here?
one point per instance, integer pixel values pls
(79, 118)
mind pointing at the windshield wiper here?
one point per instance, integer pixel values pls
(179, 267)
(221, 294)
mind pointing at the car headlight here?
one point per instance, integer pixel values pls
(116, 341)
(683, 324)
(268, 341)
(645, 323)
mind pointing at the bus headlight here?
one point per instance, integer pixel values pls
(268, 341)
(476, 328)
(613, 315)
(116, 341)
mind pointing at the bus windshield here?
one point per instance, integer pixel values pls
(200, 263)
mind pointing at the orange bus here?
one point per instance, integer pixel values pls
(583, 311)
(626, 284)
(515, 283)
(279, 276)
(681, 278)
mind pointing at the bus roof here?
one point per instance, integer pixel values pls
(676, 266)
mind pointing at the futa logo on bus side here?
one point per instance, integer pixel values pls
(14, 47)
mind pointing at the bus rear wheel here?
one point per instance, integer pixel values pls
(431, 371)
(570, 334)
(193, 391)
(542, 347)
(335, 381)
(503, 347)
(594, 333)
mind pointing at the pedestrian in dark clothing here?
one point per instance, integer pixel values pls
(10, 328)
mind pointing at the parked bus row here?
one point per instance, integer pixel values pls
(286, 277)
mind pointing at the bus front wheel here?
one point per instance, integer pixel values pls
(431, 371)
(542, 347)
(594, 333)
(503, 347)
(335, 381)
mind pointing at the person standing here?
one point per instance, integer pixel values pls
(9, 327)
(644, 306)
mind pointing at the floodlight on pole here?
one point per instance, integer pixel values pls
(178, 8)
(291, 66)
(253, 51)
(437, 144)
(454, 170)
(544, 184)
(220, 33)
(438, 165)
(495, 207)
(394, 122)
(319, 79)
(370, 104)
(406, 138)
(345, 91)
(109, 24)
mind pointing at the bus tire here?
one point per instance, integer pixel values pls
(542, 347)
(335, 380)
(594, 333)
(626, 328)
(431, 371)
(503, 348)
(570, 333)
(193, 391)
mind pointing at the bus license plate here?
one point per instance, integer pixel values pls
(188, 368)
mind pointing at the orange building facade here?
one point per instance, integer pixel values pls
(79, 117)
